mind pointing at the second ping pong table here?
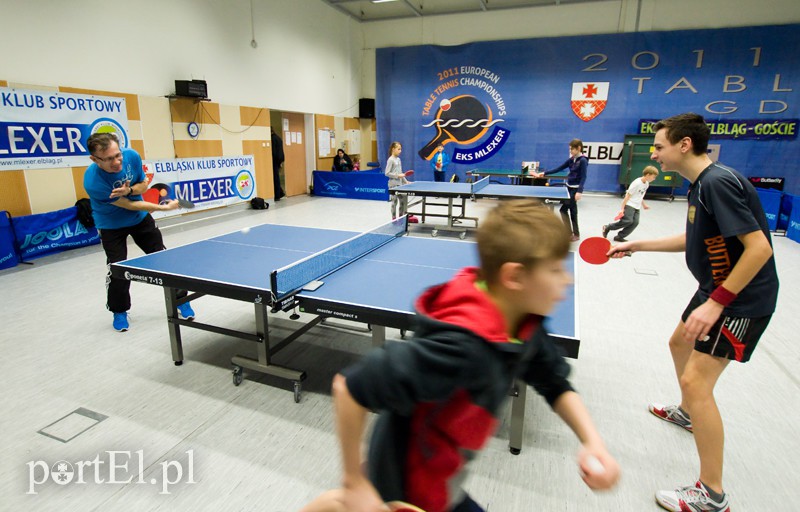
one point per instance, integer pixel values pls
(318, 271)
(481, 189)
(521, 176)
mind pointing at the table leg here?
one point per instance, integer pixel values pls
(378, 335)
(171, 301)
(517, 417)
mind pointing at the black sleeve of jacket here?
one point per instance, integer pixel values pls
(401, 375)
(547, 371)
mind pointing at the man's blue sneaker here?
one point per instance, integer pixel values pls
(185, 311)
(121, 322)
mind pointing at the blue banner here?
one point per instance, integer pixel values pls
(46, 233)
(793, 227)
(740, 128)
(787, 203)
(541, 93)
(8, 255)
(352, 185)
(771, 203)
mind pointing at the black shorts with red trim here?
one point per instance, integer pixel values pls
(733, 338)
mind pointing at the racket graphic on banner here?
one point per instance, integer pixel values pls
(465, 120)
(594, 250)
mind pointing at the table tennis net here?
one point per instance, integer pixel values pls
(478, 185)
(291, 278)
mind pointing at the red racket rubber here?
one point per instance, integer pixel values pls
(593, 250)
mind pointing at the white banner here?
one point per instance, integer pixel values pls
(208, 182)
(45, 129)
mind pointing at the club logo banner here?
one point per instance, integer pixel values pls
(44, 129)
(208, 182)
(466, 105)
(589, 99)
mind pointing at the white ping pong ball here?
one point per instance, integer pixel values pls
(245, 230)
(444, 104)
(595, 465)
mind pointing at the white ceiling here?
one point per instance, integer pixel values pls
(367, 10)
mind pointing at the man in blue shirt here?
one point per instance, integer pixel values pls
(115, 182)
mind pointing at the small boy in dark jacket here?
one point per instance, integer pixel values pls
(439, 394)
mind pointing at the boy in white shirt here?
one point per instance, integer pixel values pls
(633, 202)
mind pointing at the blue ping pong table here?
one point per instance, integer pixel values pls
(519, 176)
(260, 265)
(481, 189)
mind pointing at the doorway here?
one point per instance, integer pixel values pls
(290, 127)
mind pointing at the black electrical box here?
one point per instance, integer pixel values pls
(366, 108)
(191, 88)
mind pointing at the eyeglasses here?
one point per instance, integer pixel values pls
(110, 159)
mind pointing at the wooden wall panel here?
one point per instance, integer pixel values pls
(14, 193)
(197, 148)
(262, 160)
(323, 163)
(186, 110)
(294, 166)
(251, 116)
(77, 179)
(138, 146)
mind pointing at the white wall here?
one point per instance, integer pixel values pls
(308, 56)
(568, 20)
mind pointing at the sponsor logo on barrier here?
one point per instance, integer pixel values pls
(66, 230)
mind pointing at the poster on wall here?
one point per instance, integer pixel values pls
(208, 182)
(46, 129)
(495, 104)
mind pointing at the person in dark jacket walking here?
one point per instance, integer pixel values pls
(439, 394)
(277, 160)
(577, 164)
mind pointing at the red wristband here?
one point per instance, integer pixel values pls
(723, 296)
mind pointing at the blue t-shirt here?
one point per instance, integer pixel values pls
(99, 184)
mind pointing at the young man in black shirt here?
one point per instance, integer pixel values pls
(729, 251)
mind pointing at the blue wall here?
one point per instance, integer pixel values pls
(737, 77)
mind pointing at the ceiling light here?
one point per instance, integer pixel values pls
(382, 1)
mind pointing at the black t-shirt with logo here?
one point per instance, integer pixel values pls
(722, 205)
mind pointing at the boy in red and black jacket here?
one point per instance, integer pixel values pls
(439, 394)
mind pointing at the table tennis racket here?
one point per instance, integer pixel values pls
(185, 203)
(620, 214)
(402, 506)
(594, 250)
(409, 173)
(465, 121)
